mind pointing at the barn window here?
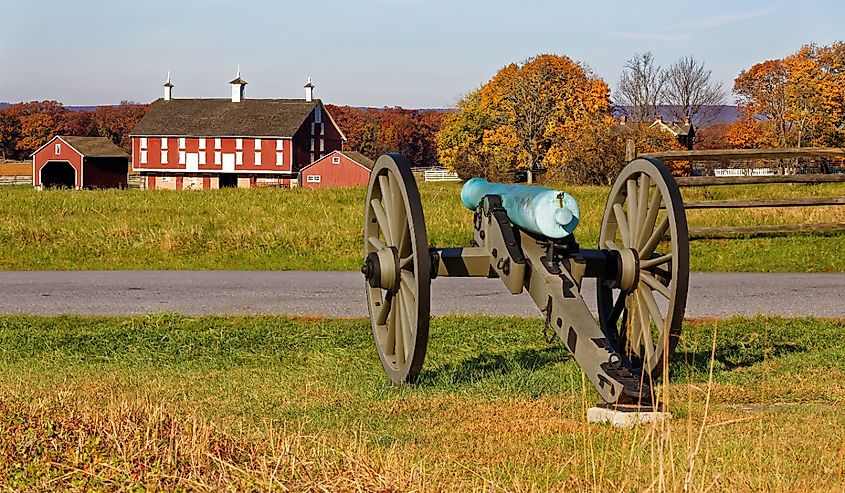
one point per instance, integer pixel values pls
(239, 158)
(181, 157)
(258, 159)
(318, 114)
(280, 158)
(322, 145)
(217, 143)
(239, 143)
(312, 157)
(143, 157)
(164, 157)
(201, 158)
(143, 142)
(217, 157)
(280, 145)
(164, 143)
(322, 129)
(336, 160)
(312, 179)
(257, 144)
(181, 142)
(312, 146)
(58, 149)
(202, 143)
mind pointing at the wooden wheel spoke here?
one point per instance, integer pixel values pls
(651, 216)
(656, 261)
(407, 263)
(631, 200)
(390, 338)
(653, 309)
(642, 208)
(408, 283)
(376, 243)
(381, 218)
(611, 245)
(399, 340)
(399, 220)
(408, 334)
(633, 320)
(645, 327)
(655, 285)
(383, 311)
(655, 238)
(622, 223)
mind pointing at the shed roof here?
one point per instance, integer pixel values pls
(94, 146)
(359, 158)
(223, 118)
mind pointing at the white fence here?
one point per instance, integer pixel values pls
(16, 180)
(751, 171)
(439, 174)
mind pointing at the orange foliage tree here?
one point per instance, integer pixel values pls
(373, 131)
(548, 111)
(796, 101)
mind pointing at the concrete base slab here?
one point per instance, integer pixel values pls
(626, 418)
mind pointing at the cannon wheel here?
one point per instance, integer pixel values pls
(646, 223)
(397, 267)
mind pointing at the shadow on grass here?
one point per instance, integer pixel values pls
(489, 365)
(729, 357)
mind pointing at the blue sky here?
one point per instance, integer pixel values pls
(410, 53)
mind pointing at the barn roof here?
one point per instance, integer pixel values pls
(359, 158)
(223, 118)
(90, 146)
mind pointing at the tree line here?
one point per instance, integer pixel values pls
(24, 127)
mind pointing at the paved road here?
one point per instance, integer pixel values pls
(341, 294)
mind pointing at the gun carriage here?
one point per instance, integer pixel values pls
(524, 236)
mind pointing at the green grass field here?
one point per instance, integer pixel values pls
(321, 229)
(174, 403)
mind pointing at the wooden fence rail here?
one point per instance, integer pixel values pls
(727, 155)
(16, 180)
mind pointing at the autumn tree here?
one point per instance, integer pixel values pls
(541, 112)
(690, 92)
(796, 101)
(641, 86)
(374, 131)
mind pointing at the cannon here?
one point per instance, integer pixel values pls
(524, 235)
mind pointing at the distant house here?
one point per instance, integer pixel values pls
(683, 131)
(337, 169)
(79, 162)
(233, 142)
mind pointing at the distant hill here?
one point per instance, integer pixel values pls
(723, 113)
(4, 105)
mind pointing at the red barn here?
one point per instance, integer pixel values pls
(79, 162)
(236, 142)
(337, 169)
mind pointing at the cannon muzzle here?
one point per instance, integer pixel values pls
(539, 210)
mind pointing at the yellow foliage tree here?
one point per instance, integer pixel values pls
(796, 101)
(547, 112)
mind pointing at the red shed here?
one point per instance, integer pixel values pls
(79, 162)
(337, 169)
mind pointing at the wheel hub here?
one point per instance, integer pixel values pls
(381, 269)
(629, 274)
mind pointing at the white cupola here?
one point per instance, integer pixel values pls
(238, 85)
(309, 90)
(168, 88)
